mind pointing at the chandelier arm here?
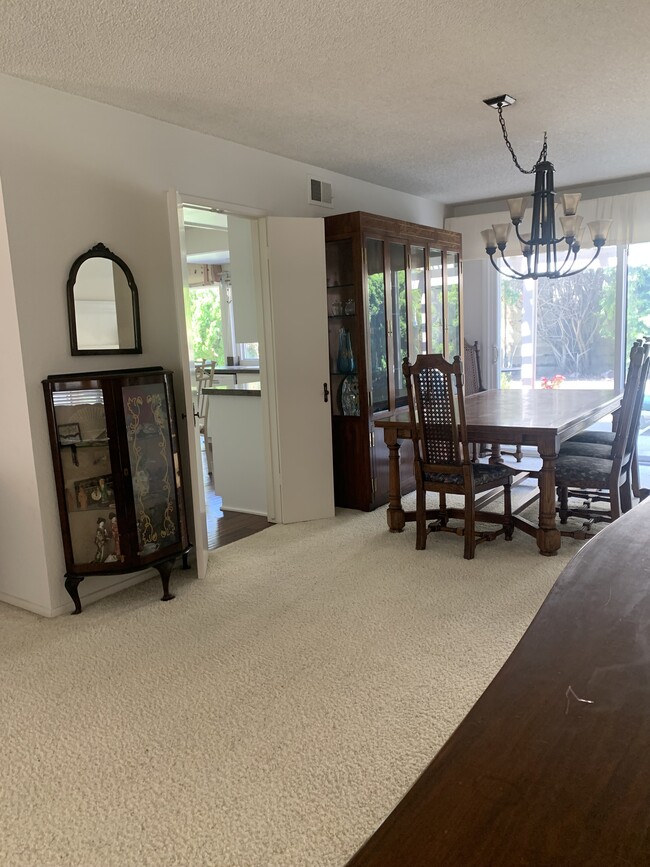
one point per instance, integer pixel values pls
(566, 259)
(514, 274)
(530, 243)
(584, 267)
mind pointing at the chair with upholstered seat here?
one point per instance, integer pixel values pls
(597, 471)
(577, 443)
(442, 455)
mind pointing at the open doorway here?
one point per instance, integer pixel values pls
(223, 353)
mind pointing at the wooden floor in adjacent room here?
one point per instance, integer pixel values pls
(226, 527)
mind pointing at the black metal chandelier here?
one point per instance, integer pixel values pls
(540, 245)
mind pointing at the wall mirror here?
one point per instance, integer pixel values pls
(103, 310)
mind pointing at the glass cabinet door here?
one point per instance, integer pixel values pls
(153, 466)
(453, 305)
(436, 302)
(378, 378)
(85, 462)
(399, 325)
(417, 305)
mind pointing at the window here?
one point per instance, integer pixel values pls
(578, 328)
(560, 331)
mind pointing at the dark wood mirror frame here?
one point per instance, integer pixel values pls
(101, 251)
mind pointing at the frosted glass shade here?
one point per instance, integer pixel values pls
(599, 231)
(501, 232)
(489, 238)
(570, 225)
(570, 202)
(526, 249)
(518, 207)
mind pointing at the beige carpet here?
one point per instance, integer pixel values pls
(272, 714)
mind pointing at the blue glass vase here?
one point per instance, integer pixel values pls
(345, 359)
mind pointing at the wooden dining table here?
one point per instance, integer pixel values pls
(543, 418)
(551, 767)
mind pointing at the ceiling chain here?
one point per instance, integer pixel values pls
(542, 154)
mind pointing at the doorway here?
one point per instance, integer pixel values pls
(223, 354)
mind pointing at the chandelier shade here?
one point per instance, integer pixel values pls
(547, 253)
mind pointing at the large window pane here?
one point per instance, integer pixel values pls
(453, 305)
(377, 317)
(638, 325)
(397, 257)
(418, 310)
(436, 323)
(560, 332)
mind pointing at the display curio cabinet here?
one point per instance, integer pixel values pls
(394, 290)
(118, 473)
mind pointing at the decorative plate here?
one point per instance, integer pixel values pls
(350, 404)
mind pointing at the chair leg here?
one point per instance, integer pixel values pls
(564, 504)
(420, 519)
(442, 508)
(509, 526)
(636, 484)
(470, 522)
(614, 502)
(625, 492)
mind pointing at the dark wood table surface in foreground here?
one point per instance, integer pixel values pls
(543, 418)
(551, 767)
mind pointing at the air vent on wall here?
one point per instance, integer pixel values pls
(320, 193)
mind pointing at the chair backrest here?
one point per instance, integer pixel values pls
(631, 402)
(640, 395)
(435, 394)
(473, 380)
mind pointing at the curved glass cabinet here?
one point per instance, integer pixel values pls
(118, 473)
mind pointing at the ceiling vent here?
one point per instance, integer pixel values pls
(320, 193)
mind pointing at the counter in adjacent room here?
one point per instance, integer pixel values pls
(235, 431)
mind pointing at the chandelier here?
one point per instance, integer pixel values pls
(541, 246)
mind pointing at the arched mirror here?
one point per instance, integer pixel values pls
(103, 309)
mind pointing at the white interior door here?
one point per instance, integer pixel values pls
(295, 369)
(181, 293)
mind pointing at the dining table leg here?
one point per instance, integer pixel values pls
(548, 535)
(395, 513)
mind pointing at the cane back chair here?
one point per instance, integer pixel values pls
(442, 455)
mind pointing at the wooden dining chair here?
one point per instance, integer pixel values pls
(473, 384)
(600, 472)
(442, 455)
(575, 445)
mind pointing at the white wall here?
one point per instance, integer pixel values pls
(74, 173)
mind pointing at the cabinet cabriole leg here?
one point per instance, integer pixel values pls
(72, 583)
(164, 570)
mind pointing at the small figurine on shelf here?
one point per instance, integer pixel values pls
(345, 360)
(101, 538)
(350, 307)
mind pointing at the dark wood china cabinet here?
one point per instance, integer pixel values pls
(118, 473)
(394, 289)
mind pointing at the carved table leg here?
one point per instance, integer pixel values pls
(72, 583)
(395, 513)
(495, 455)
(548, 535)
(164, 570)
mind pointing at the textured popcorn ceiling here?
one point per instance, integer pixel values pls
(389, 92)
